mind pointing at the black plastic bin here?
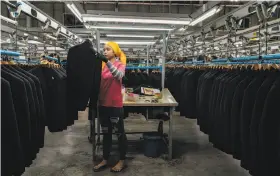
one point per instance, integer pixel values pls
(153, 144)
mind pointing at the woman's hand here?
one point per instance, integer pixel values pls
(102, 57)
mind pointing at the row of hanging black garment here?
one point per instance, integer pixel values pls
(238, 108)
(136, 80)
(33, 96)
(173, 79)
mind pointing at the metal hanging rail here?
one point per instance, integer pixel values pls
(142, 68)
(271, 58)
(9, 53)
(51, 58)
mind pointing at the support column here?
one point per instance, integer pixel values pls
(148, 56)
(28, 22)
(164, 41)
(97, 33)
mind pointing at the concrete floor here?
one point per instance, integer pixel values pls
(69, 153)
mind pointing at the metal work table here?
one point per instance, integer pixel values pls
(166, 101)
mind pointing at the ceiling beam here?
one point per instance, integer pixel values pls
(138, 14)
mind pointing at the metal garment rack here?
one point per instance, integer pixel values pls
(143, 68)
(51, 58)
(9, 53)
(265, 59)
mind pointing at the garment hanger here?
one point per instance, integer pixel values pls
(265, 66)
(275, 66)
(257, 67)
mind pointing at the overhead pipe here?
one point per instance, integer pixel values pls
(225, 16)
(242, 32)
(150, 3)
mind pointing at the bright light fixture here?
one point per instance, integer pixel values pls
(129, 28)
(182, 29)
(33, 42)
(35, 37)
(205, 15)
(51, 48)
(134, 20)
(75, 11)
(8, 20)
(133, 36)
(25, 34)
(130, 42)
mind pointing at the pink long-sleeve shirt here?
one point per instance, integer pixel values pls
(111, 85)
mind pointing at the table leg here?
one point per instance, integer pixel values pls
(147, 114)
(170, 134)
(93, 136)
(98, 128)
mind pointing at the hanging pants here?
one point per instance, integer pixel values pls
(111, 120)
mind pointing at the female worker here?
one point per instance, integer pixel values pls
(111, 104)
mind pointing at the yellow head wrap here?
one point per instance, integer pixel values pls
(118, 52)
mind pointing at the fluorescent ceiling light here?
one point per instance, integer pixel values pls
(134, 20)
(8, 20)
(75, 11)
(133, 36)
(52, 48)
(130, 42)
(238, 43)
(51, 37)
(25, 34)
(182, 29)
(205, 15)
(129, 28)
(33, 42)
(20, 43)
(35, 37)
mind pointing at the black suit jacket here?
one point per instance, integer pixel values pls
(12, 154)
(83, 76)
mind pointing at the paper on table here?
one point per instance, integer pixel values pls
(149, 91)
